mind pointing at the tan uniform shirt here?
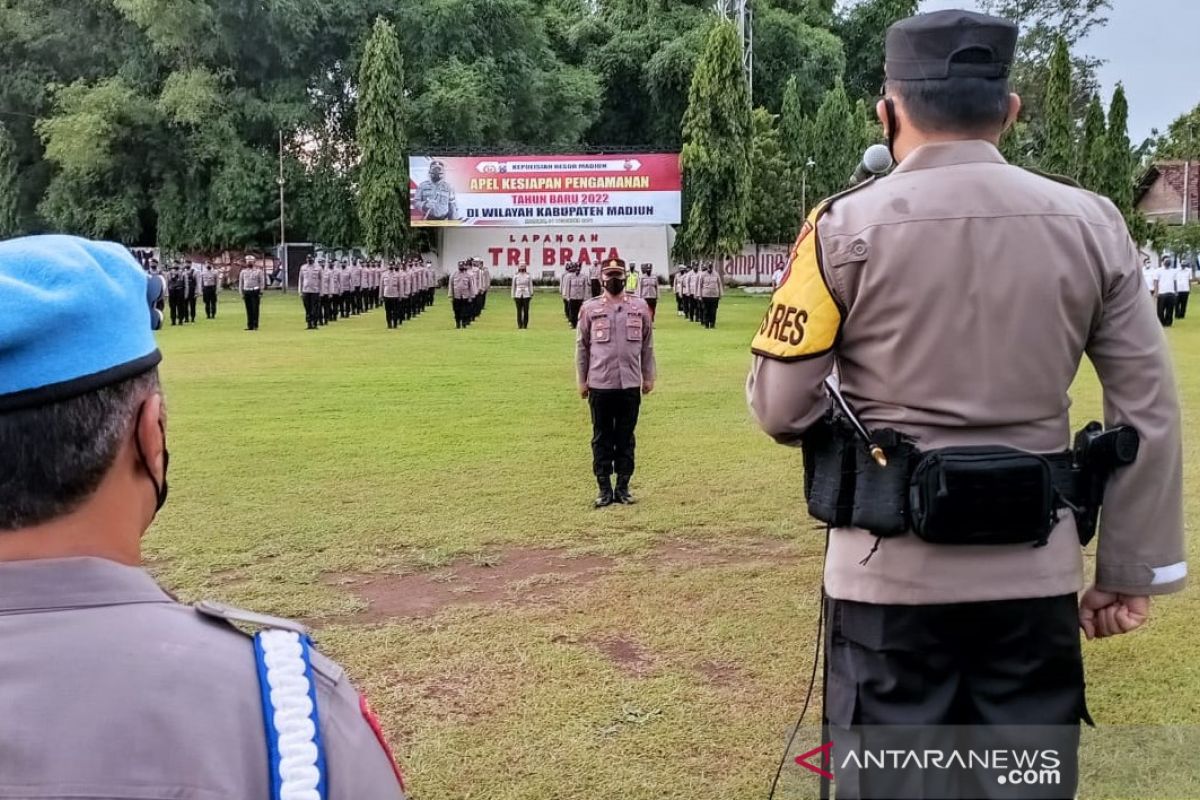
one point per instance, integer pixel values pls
(648, 286)
(310, 279)
(208, 278)
(113, 690)
(485, 279)
(461, 287)
(329, 281)
(406, 283)
(577, 286)
(563, 282)
(345, 281)
(710, 284)
(614, 343)
(252, 279)
(522, 285)
(678, 286)
(390, 284)
(971, 290)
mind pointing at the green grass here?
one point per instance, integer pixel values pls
(299, 454)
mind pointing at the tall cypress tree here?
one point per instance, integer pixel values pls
(1093, 149)
(1117, 180)
(837, 136)
(796, 140)
(716, 150)
(383, 172)
(1057, 140)
(10, 186)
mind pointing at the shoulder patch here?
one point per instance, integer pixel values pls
(1056, 178)
(211, 608)
(803, 319)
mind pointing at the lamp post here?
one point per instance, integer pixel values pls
(804, 188)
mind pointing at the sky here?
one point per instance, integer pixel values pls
(1151, 47)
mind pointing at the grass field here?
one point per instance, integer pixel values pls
(423, 497)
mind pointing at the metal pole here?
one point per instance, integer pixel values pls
(804, 194)
(282, 228)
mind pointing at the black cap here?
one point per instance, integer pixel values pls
(949, 44)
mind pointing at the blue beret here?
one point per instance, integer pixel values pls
(74, 317)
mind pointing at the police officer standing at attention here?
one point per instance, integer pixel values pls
(310, 292)
(329, 290)
(577, 289)
(648, 289)
(614, 364)
(563, 283)
(522, 293)
(83, 432)
(177, 295)
(955, 602)
(208, 287)
(460, 289)
(192, 281)
(391, 295)
(711, 289)
(251, 281)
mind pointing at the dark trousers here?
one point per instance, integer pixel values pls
(462, 312)
(252, 299)
(567, 309)
(191, 307)
(975, 666)
(312, 308)
(678, 302)
(573, 307)
(653, 303)
(1166, 308)
(483, 300)
(389, 311)
(1181, 299)
(522, 311)
(327, 312)
(710, 311)
(176, 301)
(614, 418)
(210, 302)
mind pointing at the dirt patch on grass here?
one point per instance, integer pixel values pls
(626, 654)
(719, 673)
(518, 576)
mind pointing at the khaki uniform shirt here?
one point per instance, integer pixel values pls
(461, 287)
(252, 279)
(406, 283)
(648, 286)
(475, 274)
(329, 281)
(113, 690)
(390, 284)
(961, 295)
(710, 284)
(485, 279)
(563, 282)
(355, 277)
(208, 278)
(677, 285)
(345, 281)
(577, 286)
(310, 279)
(614, 343)
(522, 285)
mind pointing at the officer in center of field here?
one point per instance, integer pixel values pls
(460, 289)
(208, 286)
(112, 688)
(310, 291)
(943, 465)
(614, 364)
(251, 281)
(522, 294)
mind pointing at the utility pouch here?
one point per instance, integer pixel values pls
(881, 493)
(982, 495)
(828, 473)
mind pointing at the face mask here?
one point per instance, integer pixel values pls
(614, 285)
(160, 491)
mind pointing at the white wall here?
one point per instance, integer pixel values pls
(546, 249)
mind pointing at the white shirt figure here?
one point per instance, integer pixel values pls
(776, 277)
(1183, 279)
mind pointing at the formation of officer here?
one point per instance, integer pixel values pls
(698, 292)
(181, 285)
(522, 295)
(1170, 284)
(333, 289)
(614, 367)
(574, 286)
(647, 288)
(251, 282)
(952, 583)
(92, 644)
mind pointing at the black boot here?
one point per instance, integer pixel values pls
(605, 498)
(622, 495)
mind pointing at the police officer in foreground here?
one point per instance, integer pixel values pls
(251, 282)
(112, 688)
(952, 576)
(614, 364)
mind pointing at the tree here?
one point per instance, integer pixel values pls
(1093, 149)
(1116, 181)
(716, 150)
(785, 48)
(861, 28)
(1182, 139)
(382, 171)
(10, 186)
(773, 217)
(836, 136)
(1057, 145)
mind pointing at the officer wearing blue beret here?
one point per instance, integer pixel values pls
(111, 688)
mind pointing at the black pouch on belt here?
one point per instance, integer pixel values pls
(881, 493)
(828, 473)
(982, 495)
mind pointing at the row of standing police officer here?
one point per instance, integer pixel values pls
(698, 292)
(403, 288)
(467, 289)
